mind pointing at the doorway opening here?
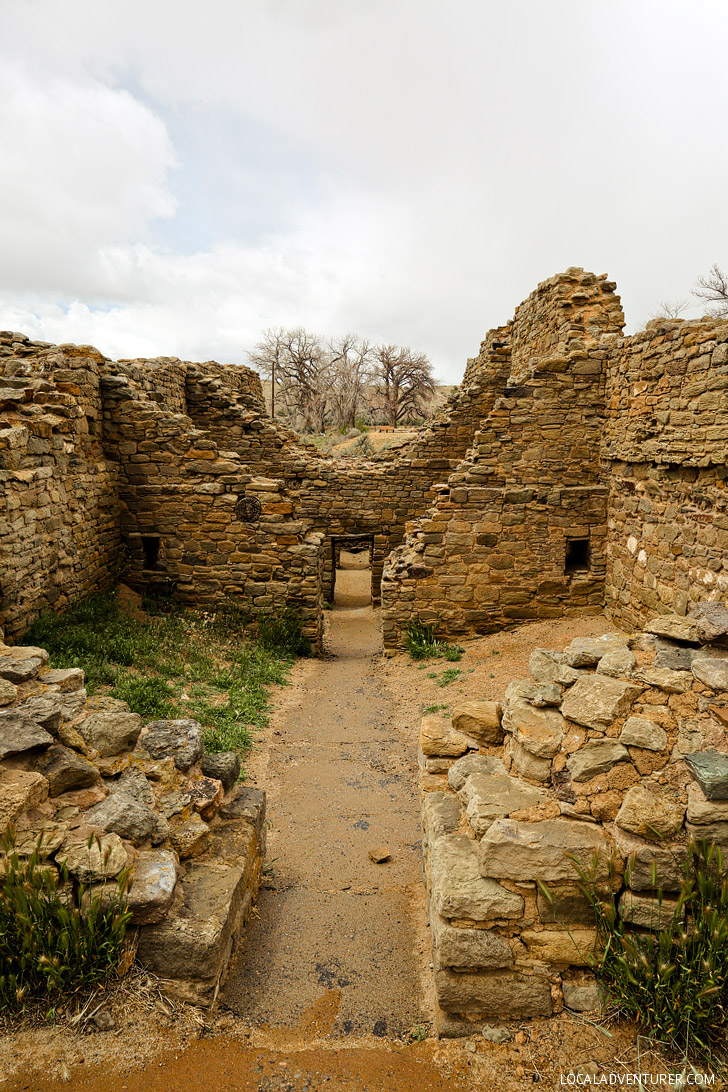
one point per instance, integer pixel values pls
(351, 571)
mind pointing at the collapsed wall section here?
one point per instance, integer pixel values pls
(518, 531)
(665, 450)
(59, 528)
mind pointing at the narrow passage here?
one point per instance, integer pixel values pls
(332, 950)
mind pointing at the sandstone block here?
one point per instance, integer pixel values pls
(487, 798)
(711, 672)
(102, 860)
(459, 890)
(21, 664)
(153, 881)
(133, 782)
(547, 666)
(649, 913)
(45, 709)
(711, 620)
(8, 692)
(469, 949)
(566, 904)
(461, 770)
(672, 682)
(650, 865)
(111, 731)
(641, 732)
(617, 664)
(500, 993)
(597, 701)
(440, 815)
(65, 770)
(701, 810)
(438, 739)
(18, 733)
(581, 997)
(676, 627)
(588, 651)
(124, 816)
(527, 852)
(648, 815)
(573, 947)
(529, 765)
(20, 790)
(596, 757)
(190, 838)
(249, 804)
(539, 731)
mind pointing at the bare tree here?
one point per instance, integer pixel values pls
(403, 384)
(713, 288)
(670, 309)
(267, 358)
(299, 368)
(352, 370)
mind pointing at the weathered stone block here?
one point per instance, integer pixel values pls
(469, 949)
(711, 672)
(461, 770)
(459, 891)
(676, 627)
(487, 798)
(479, 719)
(648, 815)
(574, 947)
(181, 740)
(710, 770)
(641, 732)
(111, 731)
(596, 757)
(440, 815)
(65, 770)
(649, 913)
(588, 651)
(597, 701)
(18, 733)
(20, 790)
(123, 815)
(527, 852)
(500, 993)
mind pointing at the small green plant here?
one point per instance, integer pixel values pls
(419, 1033)
(449, 676)
(420, 639)
(674, 978)
(55, 939)
(283, 633)
(433, 709)
(453, 653)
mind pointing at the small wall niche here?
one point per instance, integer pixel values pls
(578, 556)
(150, 547)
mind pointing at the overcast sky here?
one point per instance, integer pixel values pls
(176, 176)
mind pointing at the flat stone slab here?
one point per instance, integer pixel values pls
(676, 627)
(461, 770)
(701, 810)
(487, 798)
(711, 621)
(572, 947)
(588, 651)
(662, 678)
(710, 770)
(195, 938)
(460, 891)
(650, 864)
(526, 852)
(18, 734)
(645, 733)
(648, 815)
(596, 757)
(502, 994)
(597, 701)
(469, 949)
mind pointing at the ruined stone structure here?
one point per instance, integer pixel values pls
(613, 753)
(574, 469)
(85, 781)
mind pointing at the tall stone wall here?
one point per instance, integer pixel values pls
(519, 529)
(59, 528)
(665, 449)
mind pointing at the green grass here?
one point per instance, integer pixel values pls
(55, 941)
(422, 643)
(177, 662)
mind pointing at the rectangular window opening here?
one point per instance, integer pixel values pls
(577, 555)
(150, 546)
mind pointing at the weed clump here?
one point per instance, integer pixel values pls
(56, 939)
(422, 643)
(283, 634)
(673, 979)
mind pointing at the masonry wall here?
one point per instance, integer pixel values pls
(519, 529)
(59, 528)
(665, 450)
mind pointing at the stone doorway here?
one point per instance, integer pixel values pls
(351, 571)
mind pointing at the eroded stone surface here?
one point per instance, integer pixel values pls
(65, 770)
(469, 949)
(597, 701)
(20, 790)
(596, 757)
(487, 798)
(438, 738)
(459, 890)
(461, 770)
(711, 672)
(103, 859)
(440, 814)
(649, 815)
(710, 770)
(571, 947)
(153, 881)
(18, 733)
(588, 651)
(223, 766)
(492, 994)
(479, 719)
(111, 730)
(178, 739)
(642, 732)
(526, 852)
(676, 627)
(649, 913)
(125, 816)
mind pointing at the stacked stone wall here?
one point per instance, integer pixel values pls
(59, 532)
(665, 447)
(519, 529)
(615, 747)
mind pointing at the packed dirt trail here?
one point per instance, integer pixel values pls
(341, 782)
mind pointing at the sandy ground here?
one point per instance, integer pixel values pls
(333, 976)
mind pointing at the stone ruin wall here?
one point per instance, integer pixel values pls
(612, 450)
(74, 767)
(614, 747)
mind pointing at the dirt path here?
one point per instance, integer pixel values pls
(341, 782)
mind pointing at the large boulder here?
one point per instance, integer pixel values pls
(111, 728)
(181, 740)
(123, 815)
(459, 891)
(597, 700)
(18, 734)
(648, 815)
(528, 852)
(65, 770)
